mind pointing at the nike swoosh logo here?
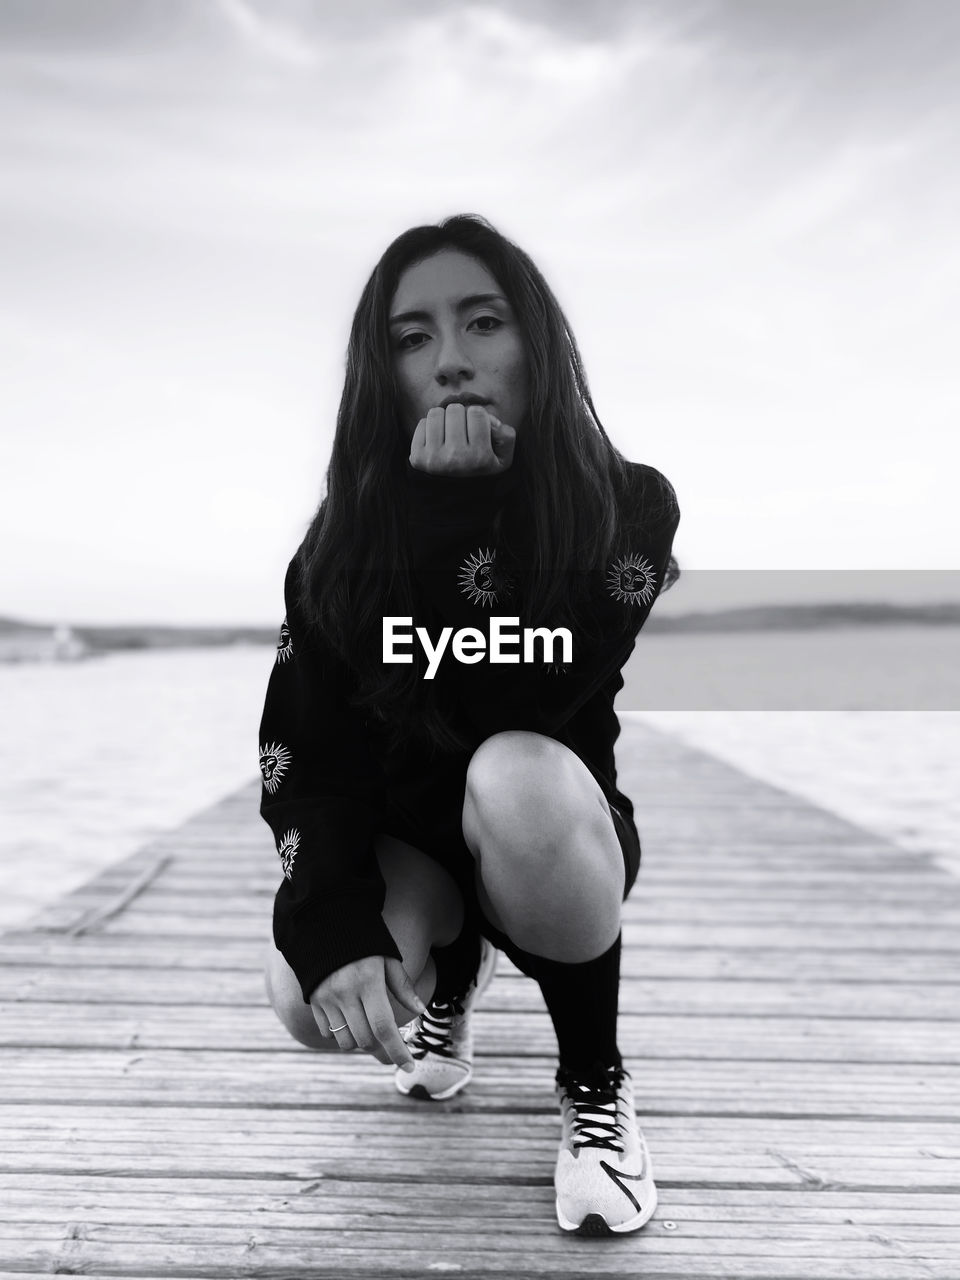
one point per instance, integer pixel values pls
(617, 1177)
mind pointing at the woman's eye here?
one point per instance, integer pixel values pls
(405, 343)
(493, 320)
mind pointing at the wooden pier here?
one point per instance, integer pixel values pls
(790, 1015)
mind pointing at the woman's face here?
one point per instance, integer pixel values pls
(455, 337)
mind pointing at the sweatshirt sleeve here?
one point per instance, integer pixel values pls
(455, 562)
(635, 576)
(323, 797)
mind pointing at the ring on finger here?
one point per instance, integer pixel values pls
(334, 1030)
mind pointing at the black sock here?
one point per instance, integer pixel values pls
(582, 1000)
(456, 963)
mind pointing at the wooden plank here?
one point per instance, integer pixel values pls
(510, 992)
(940, 1139)
(46, 958)
(444, 1146)
(296, 1196)
(251, 1253)
(300, 1078)
(478, 1267)
(654, 1035)
(517, 1163)
(703, 1212)
(843, 1240)
(807, 1138)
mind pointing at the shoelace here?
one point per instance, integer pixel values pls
(433, 1029)
(596, 1107)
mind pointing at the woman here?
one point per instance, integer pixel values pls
(436, 789)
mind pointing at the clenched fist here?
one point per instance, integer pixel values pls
(462, 440)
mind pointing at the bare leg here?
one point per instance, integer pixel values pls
(423, 908)
(549, 865)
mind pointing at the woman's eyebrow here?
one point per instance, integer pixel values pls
(471, 300)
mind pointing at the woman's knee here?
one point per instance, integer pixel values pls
(529, 788)
(509, 749)
(542, 833)
(286, 1000)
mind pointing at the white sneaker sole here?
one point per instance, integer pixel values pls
(595, 1224)
(420, 1091)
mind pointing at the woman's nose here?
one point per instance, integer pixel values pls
(452, 358)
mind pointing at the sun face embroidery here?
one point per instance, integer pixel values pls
(631, 579)
(274, 763)
(287, 849)
(285, 643)
(479, 580)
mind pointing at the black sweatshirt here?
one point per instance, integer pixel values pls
(329, 783)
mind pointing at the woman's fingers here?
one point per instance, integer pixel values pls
(455, 427)
(488, 435)
(332, 1025)
(340, 1029)
(352, 1005)
(344, 1037)
(476, 428)
(419, 442)
(376, 1032)
(503, 442)
(434, 430)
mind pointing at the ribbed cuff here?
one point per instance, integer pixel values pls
(459, 498)
(322, 937)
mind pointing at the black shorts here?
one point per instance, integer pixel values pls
(630, 844)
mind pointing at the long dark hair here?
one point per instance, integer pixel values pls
(353, 561)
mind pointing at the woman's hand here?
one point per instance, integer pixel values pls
(358, 995)
(462, 440)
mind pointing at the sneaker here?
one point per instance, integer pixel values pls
(441, 1040)
(603, 1178)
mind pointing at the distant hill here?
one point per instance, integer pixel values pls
(15, 627)
(804, 617)
(142, 635)
(104, 639)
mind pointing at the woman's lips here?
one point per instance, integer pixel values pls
(464, 400)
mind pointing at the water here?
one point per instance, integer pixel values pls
(98, 757)
(885, 668)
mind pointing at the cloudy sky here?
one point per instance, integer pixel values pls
(749, 211)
